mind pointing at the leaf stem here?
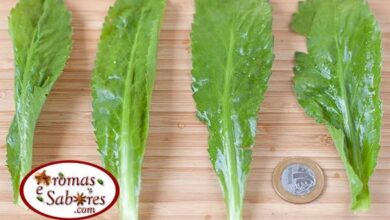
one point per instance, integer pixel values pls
(128, 201)
(233, 197)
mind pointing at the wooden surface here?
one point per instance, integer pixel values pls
(178, 181)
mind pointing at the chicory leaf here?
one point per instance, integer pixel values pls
(232, 56)
(122, 85)
(41, 33)
(337, 82)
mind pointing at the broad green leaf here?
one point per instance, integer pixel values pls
(122, 85)
(232, 56)
(337, 82)
(42, 37)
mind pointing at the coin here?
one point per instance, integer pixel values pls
(298, 180)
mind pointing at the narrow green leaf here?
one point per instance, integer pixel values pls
(337, 82)
(41, 34)
(232, 56)
(122, 84)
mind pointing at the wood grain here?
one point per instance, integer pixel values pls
(178, 181)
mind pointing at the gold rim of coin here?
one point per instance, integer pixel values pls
(314, 194)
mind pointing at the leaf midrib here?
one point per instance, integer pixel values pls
(126, 175)
(229, 147)
(348, 123)
(23, 113)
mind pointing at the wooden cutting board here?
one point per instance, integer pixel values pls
(178, 181)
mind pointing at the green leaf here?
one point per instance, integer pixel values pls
(337, 82)
(39, 198)
(41, 34)
(122, 85)
(61, 175)
(232, 56)
(100, 181)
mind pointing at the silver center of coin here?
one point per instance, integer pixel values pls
(298, 179)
